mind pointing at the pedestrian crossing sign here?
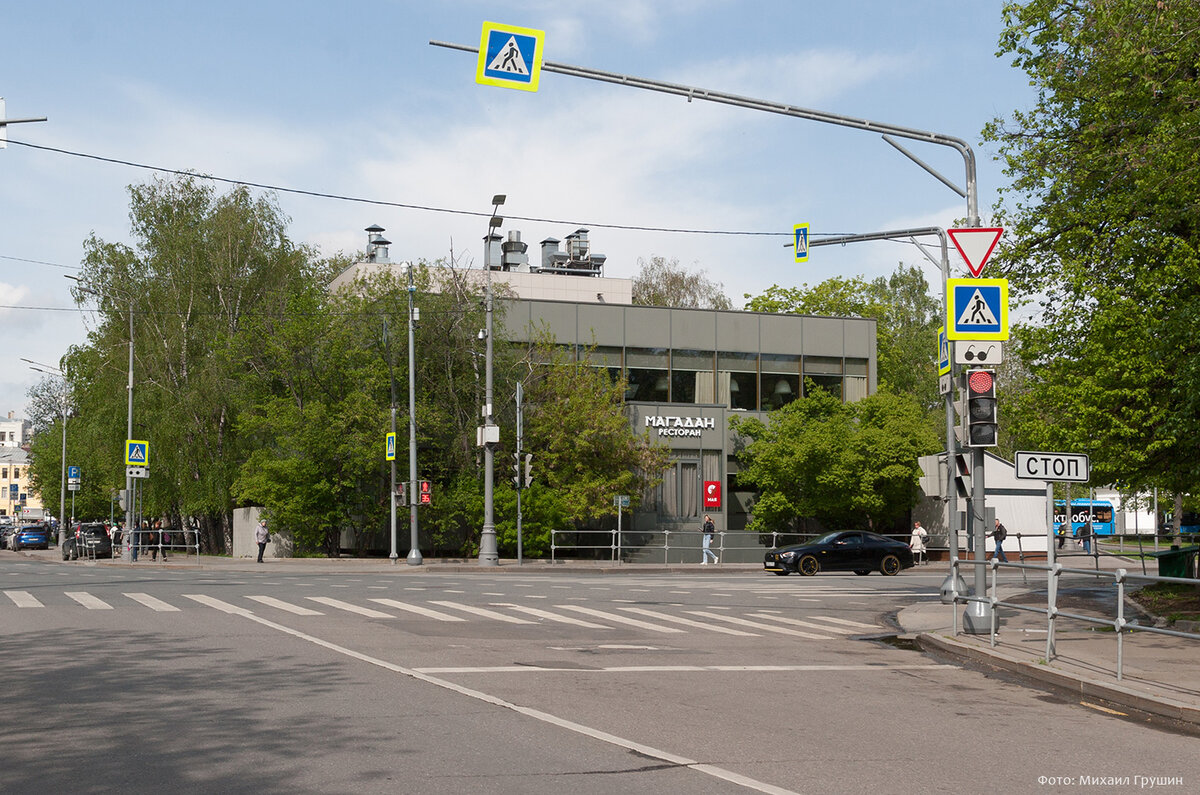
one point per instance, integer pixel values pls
(391, 447)
(977, 309)
(943, 352)
(137, 453)
(510, 56)
(800, 242)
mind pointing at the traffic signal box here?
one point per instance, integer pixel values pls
(425, 495)
(980, 426)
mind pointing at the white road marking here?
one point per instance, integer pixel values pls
(546, 614)
(756, 625)
(633, 622)
(421, 611)
(687, 622)
(795, 622)
(89, 601)
(279, 604)
(213, 602)
(23, 599)
(340, 605)
(530, 712)
(149, 601)
(482, 611)
(844, 621)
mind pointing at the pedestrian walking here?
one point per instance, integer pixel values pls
(1085, 537)
(710, 530)
(998, 535)
(917, 543)
(261, 536)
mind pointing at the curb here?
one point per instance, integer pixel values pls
(1046, 674)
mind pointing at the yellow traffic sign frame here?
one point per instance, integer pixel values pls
(389, 446)
(130, 446)
(534, 64)
(800, 242)
(953, 310)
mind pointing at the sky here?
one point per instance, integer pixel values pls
(350, 99)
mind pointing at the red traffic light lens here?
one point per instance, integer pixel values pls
(980, 381)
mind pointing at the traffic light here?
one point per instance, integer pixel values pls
(981, 420)
(516, 478)
(528, 470)
(425, 496)
(962, 476)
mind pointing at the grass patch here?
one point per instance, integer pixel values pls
(1173, 600)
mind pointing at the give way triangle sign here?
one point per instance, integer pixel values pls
(975, 245)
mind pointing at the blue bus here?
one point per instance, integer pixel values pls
(1099, 512)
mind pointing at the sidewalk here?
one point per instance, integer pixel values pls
(1160, 675)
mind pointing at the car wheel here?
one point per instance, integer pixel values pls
(889, 566)
(74, 553)
(808, 566)
(862, 572)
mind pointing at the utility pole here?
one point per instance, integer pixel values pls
(489, 434)
(391, 451)
(414, 552)
(521, 477)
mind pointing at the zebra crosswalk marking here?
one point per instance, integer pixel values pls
(271, 601)
(633, 622)
(23, 599)
(845, 621)
(217, 604)
(421, 611)
(340, 605)
(795, 622)
(89, 601)
(756, 625)
(546, 614)
(483, 611)
(688, 622)
(157, 605)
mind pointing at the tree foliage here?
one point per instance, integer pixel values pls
(666, 283)
(844, 464)
(1104, 233)
(907, 322)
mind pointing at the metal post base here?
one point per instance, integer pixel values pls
(977, 619)
(953, 585)
(414, 557)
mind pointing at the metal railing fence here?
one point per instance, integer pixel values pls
(1053, 572)
(665, 540)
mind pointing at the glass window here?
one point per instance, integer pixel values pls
(603, 356)
(780, 380)
(822, 365)
(646, 384)
(737, 380)
(856, 367)
(691, 376)
(830, 383)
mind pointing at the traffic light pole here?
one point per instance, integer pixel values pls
(414, 551)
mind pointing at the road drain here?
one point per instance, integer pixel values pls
(897, 641)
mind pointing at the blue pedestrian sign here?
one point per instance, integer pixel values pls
(977, 309)
(391, 447)
(943, 352)
(510, 56)
(800, 242)
(137, 453)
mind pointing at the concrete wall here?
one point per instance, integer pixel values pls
(245, 520)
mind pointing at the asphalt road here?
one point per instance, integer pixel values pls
(147, 680)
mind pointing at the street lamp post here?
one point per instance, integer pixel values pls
(62, 486)
(414, 551)
(488, 552)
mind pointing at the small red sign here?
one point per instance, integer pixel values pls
(712, 494)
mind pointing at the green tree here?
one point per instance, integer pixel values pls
(666, 283)
(843, 464)
(584, 447)
(1103, 233)
(907, 322)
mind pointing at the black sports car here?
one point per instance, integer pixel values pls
(846, 550)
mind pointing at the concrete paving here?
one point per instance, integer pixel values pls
(1159, 674)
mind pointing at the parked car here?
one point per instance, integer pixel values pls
(35, 536)
(89, 540)
(847, 550)
(7, 531)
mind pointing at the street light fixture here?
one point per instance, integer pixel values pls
(488, 551)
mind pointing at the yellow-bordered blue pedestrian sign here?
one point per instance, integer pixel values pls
(800, 242)
(391, 447)
(977, 309)
(943, 352)
(510, 56)
(137, 453)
